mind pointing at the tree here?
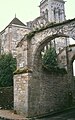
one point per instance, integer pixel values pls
(50, 60)
(7, 67)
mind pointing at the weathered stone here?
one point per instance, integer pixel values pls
(41, 92)
(21, 93)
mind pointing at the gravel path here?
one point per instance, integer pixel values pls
(9, 115)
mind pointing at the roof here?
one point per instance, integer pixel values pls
(15, 21)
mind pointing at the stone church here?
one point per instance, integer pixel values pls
(11, 35)
(51, 11)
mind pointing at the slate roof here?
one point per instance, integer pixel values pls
(15, 21)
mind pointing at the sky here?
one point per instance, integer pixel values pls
(27, 10)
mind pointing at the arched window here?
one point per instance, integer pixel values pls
(46, 14)
(43, 13)
(59, 15)
(55, 14)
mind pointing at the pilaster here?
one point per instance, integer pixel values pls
(21, 93)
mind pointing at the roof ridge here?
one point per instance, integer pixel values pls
(17, 22)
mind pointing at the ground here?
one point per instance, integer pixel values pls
(66, 115)
(9, 115)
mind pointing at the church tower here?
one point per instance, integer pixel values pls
(53, 10)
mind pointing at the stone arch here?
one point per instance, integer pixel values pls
(42, 84)
(43, 43)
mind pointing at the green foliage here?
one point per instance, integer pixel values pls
(7, 66)
(50, 62)
(50, 59)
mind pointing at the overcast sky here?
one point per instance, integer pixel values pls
(27, 10)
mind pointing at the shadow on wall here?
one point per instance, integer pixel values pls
(6, 97)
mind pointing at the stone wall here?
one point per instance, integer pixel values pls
(22, 55)
(10, 38)
(40, 93)
(21, 93)
(47, 93)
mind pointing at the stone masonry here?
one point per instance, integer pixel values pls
(21, 93)
(11, 35)
(37, 92)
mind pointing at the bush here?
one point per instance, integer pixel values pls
(50, 62)
(7, 66)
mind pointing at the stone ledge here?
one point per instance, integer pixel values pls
(24, 70)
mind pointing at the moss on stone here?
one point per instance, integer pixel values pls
(23, 70)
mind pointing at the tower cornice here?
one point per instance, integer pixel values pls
(60, 1)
